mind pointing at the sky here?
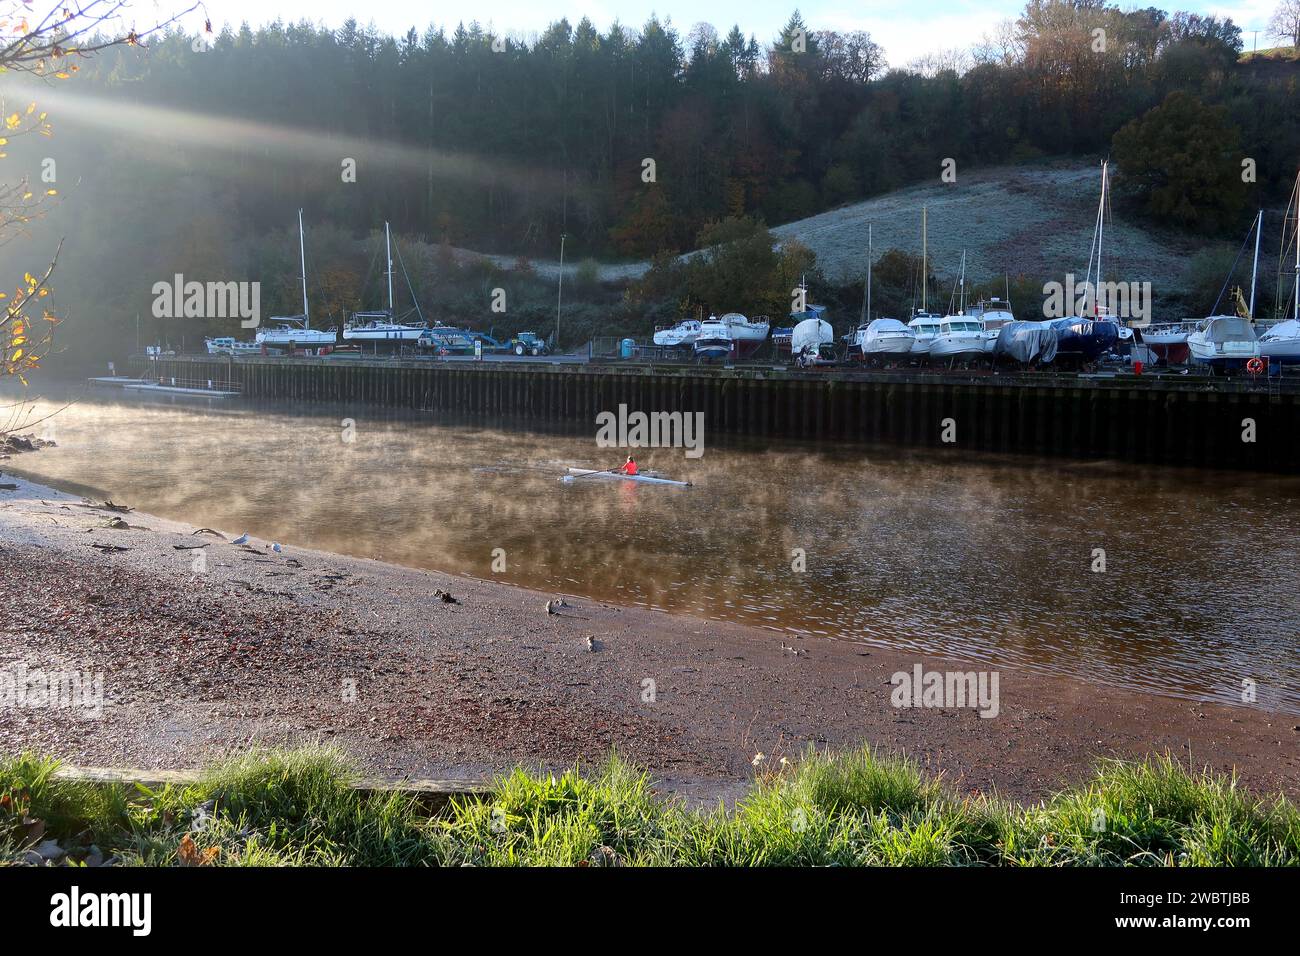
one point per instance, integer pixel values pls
(906, 29)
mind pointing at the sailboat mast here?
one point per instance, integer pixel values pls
(1254, 269)
(388, 247)
(867, 315)
(961, 302)
(1101, 234)
(302, 254)
(925, 271)
(1295, 237)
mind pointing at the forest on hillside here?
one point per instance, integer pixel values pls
(193, 154)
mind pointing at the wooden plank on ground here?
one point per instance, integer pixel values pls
(428, 792)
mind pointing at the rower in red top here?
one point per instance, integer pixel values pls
(629, 466)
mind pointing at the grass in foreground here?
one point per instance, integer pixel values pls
(297, 808)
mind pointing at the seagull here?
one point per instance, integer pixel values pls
(552, 607)
(242, 539)
(593, 644)
(275, 546)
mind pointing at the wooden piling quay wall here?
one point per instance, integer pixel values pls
(1138, 419)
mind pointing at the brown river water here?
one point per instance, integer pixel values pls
(982, 559)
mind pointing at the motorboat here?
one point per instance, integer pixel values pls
(228, 345)
(681, 335)
(924, 326)
(714, 339)
(885, 340)
(1228, 342)
(1224, 342)
(960, 339)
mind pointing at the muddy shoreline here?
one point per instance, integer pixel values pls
(254, 647)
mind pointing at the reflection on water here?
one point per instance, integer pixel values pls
(986, 560)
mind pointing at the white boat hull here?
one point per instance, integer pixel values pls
(890, 347)
(305, 338)
(382, 335)
(712, 349)
(576, 473)
(1223, 353)
(948, 347)
(679, 336)
(1281, 344)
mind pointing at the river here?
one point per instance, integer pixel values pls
(989, 560)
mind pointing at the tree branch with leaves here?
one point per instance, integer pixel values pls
(46, 46)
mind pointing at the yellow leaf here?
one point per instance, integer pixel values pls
(62, 76)
(51, 192)
(31, 108)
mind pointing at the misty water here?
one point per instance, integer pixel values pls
(986, 560)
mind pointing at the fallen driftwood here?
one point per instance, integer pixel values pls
(191, 547)
(430, 794)
(109, 505)
(109, 547)
(210, 531)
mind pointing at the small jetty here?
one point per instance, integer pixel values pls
(170, 385)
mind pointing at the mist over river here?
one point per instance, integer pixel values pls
(987, 560)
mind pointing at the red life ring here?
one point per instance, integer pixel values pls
(1255, 366)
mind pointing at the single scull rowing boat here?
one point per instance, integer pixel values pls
(575, 473)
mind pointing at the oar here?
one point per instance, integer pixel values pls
(588, 474)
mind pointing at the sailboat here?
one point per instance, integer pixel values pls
(1281, 343)
(924, 323)
(296, 330)
(1087, 338)
(1229, 341)
(748, 334)
(382, 326)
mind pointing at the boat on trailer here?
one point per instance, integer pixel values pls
(291, 331)
(576, 473)
(383, 326)
(714, 340)
(1281, 342)
(1229, 342)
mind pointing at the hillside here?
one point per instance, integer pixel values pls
(1024, 220)
(1030, 220)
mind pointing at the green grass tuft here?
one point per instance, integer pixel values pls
(298, 808)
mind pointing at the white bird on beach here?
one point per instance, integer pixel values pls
(242, 539)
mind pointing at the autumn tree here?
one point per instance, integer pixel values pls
(46, 47)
